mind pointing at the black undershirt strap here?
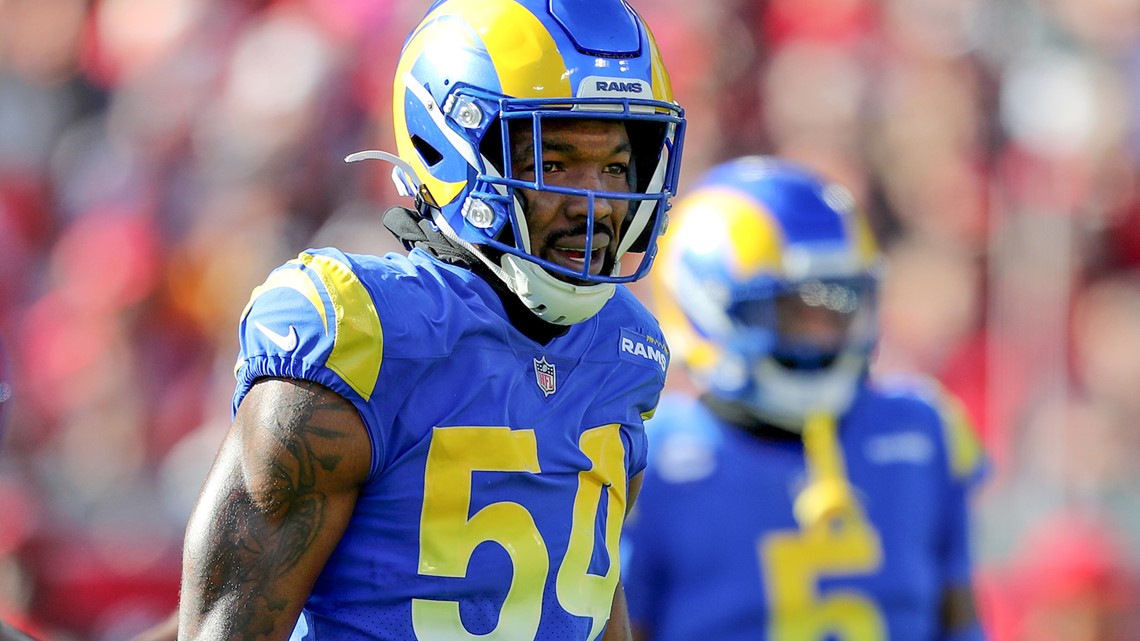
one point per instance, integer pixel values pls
(415, 230)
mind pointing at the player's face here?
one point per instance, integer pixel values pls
(812, 323)
(585, 154)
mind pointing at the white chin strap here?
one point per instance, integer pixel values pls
(785, 397)
(553, 300)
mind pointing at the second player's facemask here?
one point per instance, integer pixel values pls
(768, 291)
(474, 72)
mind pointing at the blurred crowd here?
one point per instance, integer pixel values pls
(159, 157)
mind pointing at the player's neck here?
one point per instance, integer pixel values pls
(738, 416)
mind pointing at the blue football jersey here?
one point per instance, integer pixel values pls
(721, 543)
(500, 466)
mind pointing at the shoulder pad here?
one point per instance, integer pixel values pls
(965, 456)
(315, 310)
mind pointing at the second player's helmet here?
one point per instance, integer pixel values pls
(760, 255)
(474, 68)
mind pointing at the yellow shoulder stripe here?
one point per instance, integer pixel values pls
(358, 338)
(358, 344)
(962, 444)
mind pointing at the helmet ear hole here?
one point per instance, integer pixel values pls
(429, 154)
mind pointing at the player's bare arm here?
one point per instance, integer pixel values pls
(618, 629)
(273, 507)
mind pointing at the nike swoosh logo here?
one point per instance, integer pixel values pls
(286, 342)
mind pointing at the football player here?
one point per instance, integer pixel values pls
(444, 444)
(795, 498)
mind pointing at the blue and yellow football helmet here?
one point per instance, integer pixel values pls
(767, 289)
(471, 69)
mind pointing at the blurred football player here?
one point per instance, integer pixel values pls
(795, 498)
(444, 445)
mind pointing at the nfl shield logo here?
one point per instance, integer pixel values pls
(544, 374)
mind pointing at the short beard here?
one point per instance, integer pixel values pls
(609, 260)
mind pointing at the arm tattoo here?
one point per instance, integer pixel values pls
(264, 525)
